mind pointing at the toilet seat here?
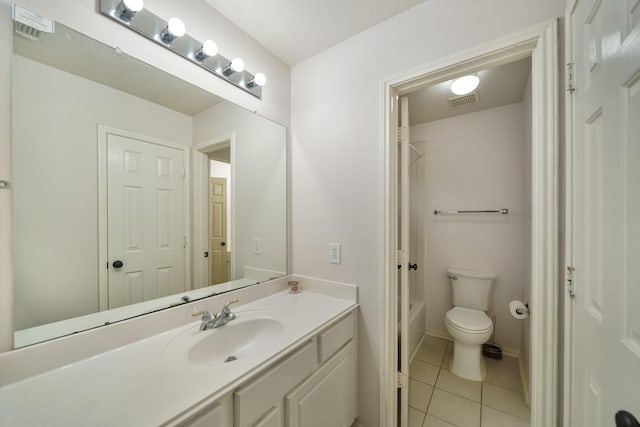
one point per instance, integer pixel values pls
(469, 320)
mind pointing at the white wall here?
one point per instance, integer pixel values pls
(336, 168)
(259, 173)
(475, 162)
(55, 205)
(202, 22)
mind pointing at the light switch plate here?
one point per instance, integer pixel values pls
(335, 256)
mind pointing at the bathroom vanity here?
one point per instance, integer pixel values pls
(283, 361)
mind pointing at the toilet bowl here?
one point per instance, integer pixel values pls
(467, 322)
(469, 329)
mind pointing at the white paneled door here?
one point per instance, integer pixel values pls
(145, 220)
(604, 43)
(218, 264)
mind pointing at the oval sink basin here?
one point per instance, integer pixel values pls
(236, 340)
(251, 333)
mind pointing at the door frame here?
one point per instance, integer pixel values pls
(200, 238)
(540, 42)
(103, 249)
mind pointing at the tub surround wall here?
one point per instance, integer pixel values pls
(475, 162)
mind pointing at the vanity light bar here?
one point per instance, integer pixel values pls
(172, 35)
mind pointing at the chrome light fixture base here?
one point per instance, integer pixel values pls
(151, 26)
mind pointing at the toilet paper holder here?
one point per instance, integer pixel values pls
(524, 310)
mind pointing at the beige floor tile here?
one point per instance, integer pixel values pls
(454, 409)
(507, 363)
(419, 395)
(435, 342)
(506, 378)
(431, 421)
(423, 371)
(447, 362)
(453, 384)
(415, 417)
(494, 418)
(450, 347)
(505, 400)
(429, 355)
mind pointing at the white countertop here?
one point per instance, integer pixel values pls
(138, 384)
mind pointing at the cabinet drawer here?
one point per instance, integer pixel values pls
(256, 398)
(335, 337)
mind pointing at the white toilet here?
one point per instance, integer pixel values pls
(467, 321)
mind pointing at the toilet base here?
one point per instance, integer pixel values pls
(468, 362)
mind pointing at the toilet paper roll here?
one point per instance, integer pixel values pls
(518, 309)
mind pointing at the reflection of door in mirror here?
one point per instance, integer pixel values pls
(144, 207)
(217, 230)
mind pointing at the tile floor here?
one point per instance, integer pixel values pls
(437, 398)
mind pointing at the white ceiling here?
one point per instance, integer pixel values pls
(502, 85)
(294, 30)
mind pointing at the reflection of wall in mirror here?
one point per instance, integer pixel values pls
(260, 189)
(55, 118)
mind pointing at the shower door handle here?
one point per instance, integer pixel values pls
(413, 266)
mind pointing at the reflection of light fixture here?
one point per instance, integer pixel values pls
(465, 85)
(235, 66)
(128, 8)
(258, 80)
(208, 48)
(175, 28)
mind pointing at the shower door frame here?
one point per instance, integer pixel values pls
(540, 42)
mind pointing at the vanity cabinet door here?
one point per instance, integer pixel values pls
(214, 414)
(273, 418)
(328, 397)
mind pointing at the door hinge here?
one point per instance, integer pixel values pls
(401, 258)
(184, 242)
(570, 282)
(571, 77)
(402, 380)
(402, 134)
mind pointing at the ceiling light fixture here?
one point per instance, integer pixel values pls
(258, 80)
(175, 28)
(235, 66)
(209, 48)
(465, 85)
(128, 8)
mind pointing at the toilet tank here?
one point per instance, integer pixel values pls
(470, 289)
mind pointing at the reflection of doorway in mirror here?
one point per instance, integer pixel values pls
(218, 265)
(144, 206)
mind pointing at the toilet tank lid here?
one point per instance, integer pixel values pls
(470, 273)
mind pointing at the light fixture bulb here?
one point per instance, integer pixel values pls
(175, 28)
(133, 5)
(465, 85)
(208, 48)
(258, 80)
(128, 8)
(235, 66)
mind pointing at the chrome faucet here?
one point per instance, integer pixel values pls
(225, 316)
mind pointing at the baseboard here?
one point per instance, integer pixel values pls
(417, 348)
(509, 351)
(524, 377)
(356, 424)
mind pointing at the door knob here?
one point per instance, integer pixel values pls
(117, 264)
(223, 244)
(625, 419)
(413, 266)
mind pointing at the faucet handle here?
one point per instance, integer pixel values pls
(206, 316)
(225, 308)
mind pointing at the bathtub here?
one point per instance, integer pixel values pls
(416, 325)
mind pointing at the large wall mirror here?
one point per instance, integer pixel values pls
(133, 191)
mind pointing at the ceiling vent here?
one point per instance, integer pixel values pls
(457, 101)
(27, 32)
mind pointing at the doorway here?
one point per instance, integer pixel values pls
(539, 43)
(213, 195)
